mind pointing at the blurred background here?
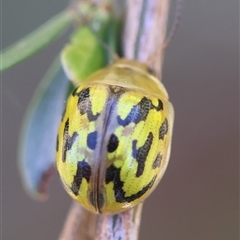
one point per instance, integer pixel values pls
(198, 198)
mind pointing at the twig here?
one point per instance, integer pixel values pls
(144, 37)
(124, 226)
(145, 32)
(80, 224)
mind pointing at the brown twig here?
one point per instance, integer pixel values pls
(80, 224)
(123, 226)
(145, 30)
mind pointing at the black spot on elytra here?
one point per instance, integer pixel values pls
(157, 161)
(63, 114)
(139, 112)
(100, 201)
(85, 105)
(113, 143)
(92, 140)
(83, 171)
(159, 107)
(97, 200)
(141, 154)
(92, 199)
(57, 143)
(74, 92)
(113, 175)
(163, 129)
(68, 140)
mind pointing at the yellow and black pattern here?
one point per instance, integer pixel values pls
(114, 141)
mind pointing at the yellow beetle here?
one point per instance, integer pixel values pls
(114, 139)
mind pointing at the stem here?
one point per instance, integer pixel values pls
(145, 43)
(80, 224)
(123, 226)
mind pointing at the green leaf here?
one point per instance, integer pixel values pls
(85, 53)
(83, 56)
(39, 131)
(36, 40)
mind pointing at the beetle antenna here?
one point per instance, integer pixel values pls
(176, 23)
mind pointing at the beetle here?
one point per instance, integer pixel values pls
(114, 139)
